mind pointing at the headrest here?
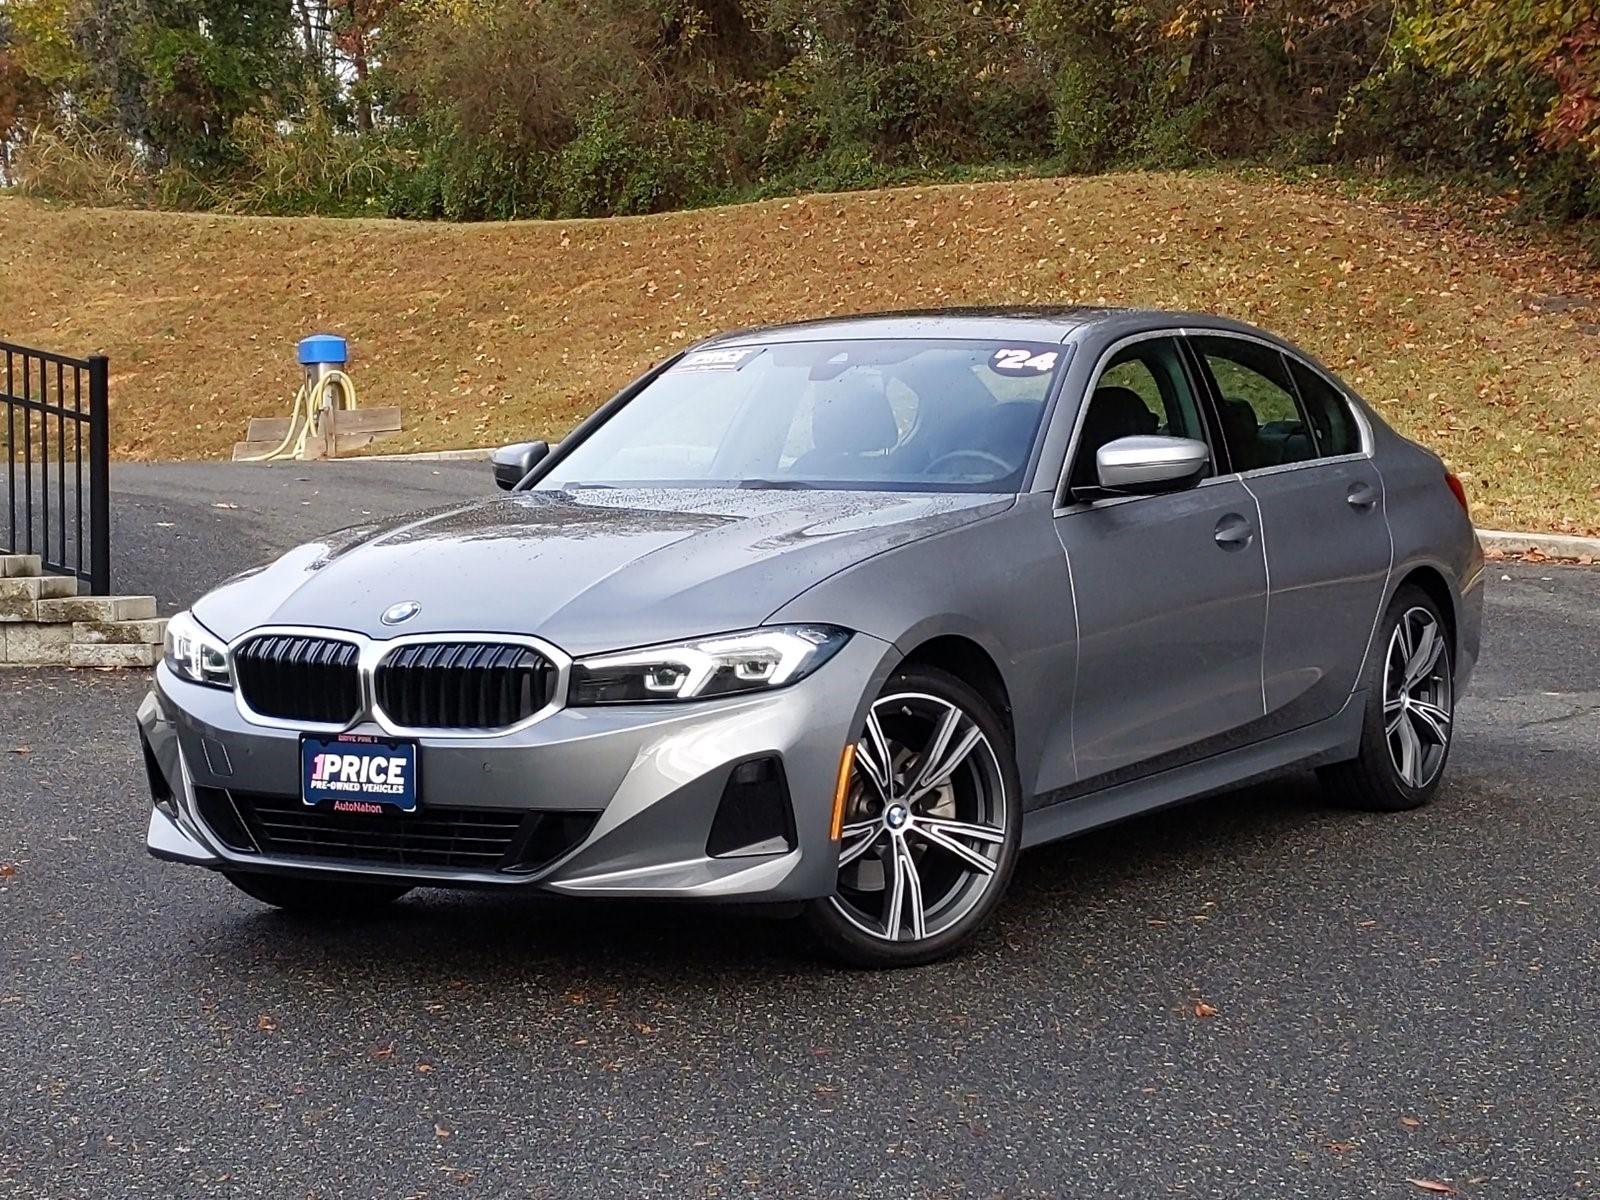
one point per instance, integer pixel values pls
(1119, 412)
(851, 415)
(1238, 415)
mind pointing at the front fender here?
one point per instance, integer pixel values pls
(1001, 583)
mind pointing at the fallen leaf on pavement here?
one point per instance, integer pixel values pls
(265, 1023)
(7, 870)
(1433, 1185)
(1410, 1122)
(1204, 1010)
(20, 750)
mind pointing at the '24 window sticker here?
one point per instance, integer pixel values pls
(1025, 360)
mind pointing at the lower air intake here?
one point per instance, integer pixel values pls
(432, 838)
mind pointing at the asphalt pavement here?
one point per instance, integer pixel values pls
(1253, 996)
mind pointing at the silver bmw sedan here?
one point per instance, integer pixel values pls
(837, 617)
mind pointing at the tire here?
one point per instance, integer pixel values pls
(1387, 774)
(949, 829)
(316, 897)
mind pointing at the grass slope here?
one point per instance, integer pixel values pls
(486, 333)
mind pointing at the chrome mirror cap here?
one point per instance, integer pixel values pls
(1150, 463)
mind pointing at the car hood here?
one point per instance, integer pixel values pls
(598, 569)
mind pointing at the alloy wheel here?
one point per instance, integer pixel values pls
(925, 820)
(1417, 701)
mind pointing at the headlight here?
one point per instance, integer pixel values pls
(194, 653)
(726, 665)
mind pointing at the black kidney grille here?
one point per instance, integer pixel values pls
(294, 678)
(463, 685)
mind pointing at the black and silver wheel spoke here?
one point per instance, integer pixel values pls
(905, 910)
(874, 759)
(946, 835)
(945, 754)
(1417, 702)
(924, 829)
(857, 839)
(1433, 718)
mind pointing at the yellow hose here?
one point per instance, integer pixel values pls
(307, 403)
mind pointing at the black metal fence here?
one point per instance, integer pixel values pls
(58, 462)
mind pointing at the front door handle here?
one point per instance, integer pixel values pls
(1362, 497)
(1234, 532)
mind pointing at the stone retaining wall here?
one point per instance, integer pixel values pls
(45, 623)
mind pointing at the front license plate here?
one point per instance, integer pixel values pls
(358, 773)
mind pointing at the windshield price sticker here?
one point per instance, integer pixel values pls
(717, 360)
(1024, 360)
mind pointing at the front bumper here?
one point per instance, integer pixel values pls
(654, 774)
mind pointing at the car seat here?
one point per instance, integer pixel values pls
(1114, 412)
(850, 417)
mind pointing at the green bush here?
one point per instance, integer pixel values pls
(312, 168)
(445, 174)
(618, 164)
(1175, 137)
(1084, 117)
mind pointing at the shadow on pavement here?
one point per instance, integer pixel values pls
(1064, 893)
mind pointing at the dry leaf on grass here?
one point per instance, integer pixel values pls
(1425, 318)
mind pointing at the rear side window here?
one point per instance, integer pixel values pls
(1328, 411)
(1262, 422)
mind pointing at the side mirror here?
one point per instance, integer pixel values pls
(512, 463)
(1147, 464)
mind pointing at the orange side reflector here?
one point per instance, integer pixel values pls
(841, 791)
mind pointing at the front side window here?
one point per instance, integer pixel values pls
(1262, 422)
(909, 414)
(1143, 389)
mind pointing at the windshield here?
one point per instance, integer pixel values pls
(906, 414)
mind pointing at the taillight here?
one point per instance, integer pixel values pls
(1457, 490)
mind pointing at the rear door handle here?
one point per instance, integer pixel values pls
(1362, 497)
(1234, 532)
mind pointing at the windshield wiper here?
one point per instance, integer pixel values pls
(778, 484)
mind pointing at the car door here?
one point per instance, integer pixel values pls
(1170, 590)
(1302, 450)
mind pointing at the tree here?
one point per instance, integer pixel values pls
(179, 73)
(38, 68)
(1541, 59)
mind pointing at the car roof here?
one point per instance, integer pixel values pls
(1037, 323)
(1040, 324)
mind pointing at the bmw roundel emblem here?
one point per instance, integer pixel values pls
(396, 614)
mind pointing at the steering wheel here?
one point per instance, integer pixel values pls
(983, 455)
